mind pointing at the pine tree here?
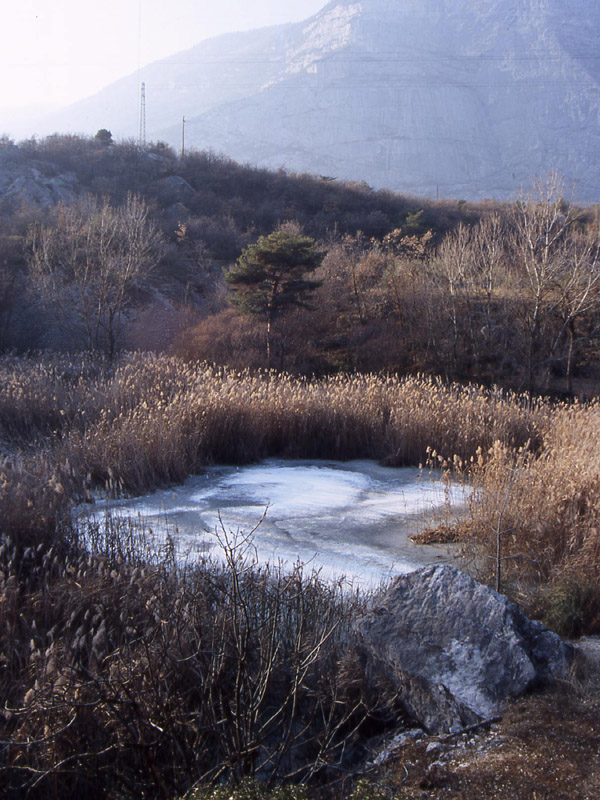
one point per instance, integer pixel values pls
(270, 276)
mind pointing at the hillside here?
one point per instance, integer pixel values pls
(430, 98)
(207, 209)
(404, 285)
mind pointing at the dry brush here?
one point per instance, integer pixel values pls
(118, 669)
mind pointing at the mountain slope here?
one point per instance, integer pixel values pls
(427, 96)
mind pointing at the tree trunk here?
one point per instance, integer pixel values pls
(570, 356)
(269, 328)
(270, 318)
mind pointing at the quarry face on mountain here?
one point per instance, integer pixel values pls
(435, 97)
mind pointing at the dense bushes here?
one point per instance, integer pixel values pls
(505, 295)
(252, 198)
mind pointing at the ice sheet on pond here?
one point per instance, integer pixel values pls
(348, 519)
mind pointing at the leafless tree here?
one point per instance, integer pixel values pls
(86, 261)
(577, 298)
(542, 223)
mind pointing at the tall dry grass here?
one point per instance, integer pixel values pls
(135, 677)
(155, 419)
(112, 665)
(535, 517)
(70, 426)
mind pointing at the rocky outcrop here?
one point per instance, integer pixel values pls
(34, 189)
(455, 650)
(174, 189)
(30, 182)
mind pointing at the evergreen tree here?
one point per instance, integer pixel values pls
(270, 276)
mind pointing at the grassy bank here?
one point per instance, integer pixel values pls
(155, 419)
(129, 677)
(72, 426)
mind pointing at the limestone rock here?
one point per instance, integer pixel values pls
(455, 649)
(30, 182)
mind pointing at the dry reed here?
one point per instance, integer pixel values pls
(139, 678)
(155, 419)
(535, 515)
(107, 656)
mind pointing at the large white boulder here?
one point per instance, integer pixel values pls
(455, 650)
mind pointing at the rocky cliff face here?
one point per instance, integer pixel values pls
(461, 98)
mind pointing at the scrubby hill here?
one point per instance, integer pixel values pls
(495, 293)
(207, 207)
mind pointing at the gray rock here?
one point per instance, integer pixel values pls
(586, 670)
(435, 747)
(175, 189)
(28, 184)
(454, 649)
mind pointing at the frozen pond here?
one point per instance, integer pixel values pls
(348, 519)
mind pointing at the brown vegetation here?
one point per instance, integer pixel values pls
(536, 516)
(509, 300)
(134, 676)
(498, 294)
(69, 427)
(126, 676)
(153, 419)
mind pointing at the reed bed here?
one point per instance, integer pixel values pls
(113, 661)
(152, 420)
(536, 517)
(71, 426)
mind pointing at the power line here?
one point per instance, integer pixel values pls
(379, 58)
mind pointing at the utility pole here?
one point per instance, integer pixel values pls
(142, 137)
(182, 138)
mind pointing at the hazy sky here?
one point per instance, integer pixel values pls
(57, 51)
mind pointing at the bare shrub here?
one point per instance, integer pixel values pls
(226, 337)
(87, 261)
(138, 679)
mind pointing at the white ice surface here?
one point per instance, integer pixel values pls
(346, 519)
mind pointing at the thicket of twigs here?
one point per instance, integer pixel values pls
(124, 677)
(128, 677)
